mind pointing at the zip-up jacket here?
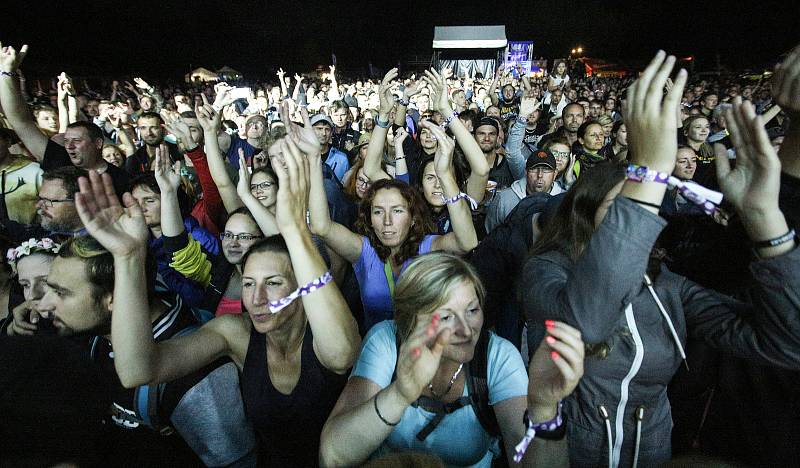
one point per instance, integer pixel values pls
(619, 413)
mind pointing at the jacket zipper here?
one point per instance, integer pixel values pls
(624, 386)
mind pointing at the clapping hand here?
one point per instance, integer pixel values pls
(120, 228)
(293, 189)
(419, 356)
(528, 105)
(443, 159)
(176, 126)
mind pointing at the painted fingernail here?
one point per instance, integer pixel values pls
(555, 355)
(550, 340)
(549, 324)
(416, 352)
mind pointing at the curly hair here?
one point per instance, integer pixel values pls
(420, 222)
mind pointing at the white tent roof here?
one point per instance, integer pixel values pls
(469, 37)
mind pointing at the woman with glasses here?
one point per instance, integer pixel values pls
(565, 162)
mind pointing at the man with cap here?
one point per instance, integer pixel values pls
(486, 136)
(540, 174)
(332, 157)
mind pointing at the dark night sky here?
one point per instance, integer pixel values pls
(164, 38)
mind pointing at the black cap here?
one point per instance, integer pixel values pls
(541, 158)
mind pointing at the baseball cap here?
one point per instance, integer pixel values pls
(491, 121)
(321, 118)
(541, 158)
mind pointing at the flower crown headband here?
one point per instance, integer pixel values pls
(30, 247)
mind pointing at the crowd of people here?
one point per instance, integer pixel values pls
(420, 270)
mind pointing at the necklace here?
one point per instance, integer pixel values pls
(449, 386)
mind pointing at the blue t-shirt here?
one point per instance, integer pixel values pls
(233, 151)
(375, 295)
(459, 439)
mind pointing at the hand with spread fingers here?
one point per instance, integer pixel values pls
(304, 137)
(168, 174)
(120, 228)
(419, 357)
(650, 115)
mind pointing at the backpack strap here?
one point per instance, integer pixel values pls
(478, 386)
(478, 390)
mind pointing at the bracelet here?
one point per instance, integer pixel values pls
(554, 429)
(643, 174)
(11, 74)
(449, 119)
(381, 124)
(398, 159)
(644, 203)
(404, 102)
(377, 411)
(472, 203)
(788, 237)
(277, 306)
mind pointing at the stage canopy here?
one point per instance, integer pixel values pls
(202, 75)
(468, 50)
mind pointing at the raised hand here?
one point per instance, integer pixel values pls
(650, 115)
(413, 89)
(293, 188)
(419, 356)
(223, 96)
(176, 126)
(280, 73)
(786, 82)
(556, 366)
(120, 228)
(141, 84)
(243, 184)
(528, 105)
(385, 91)
(304, 137)
(11, 59)
(64, 86)
(753, 186)
(400, 136)
(130, 87)
(208, 118)
(168, 174)
(438, 84)
(443, 159)
(298, 78)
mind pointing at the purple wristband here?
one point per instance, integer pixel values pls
(643, 174)
(472, 203)
(277, 306)
(530, 432)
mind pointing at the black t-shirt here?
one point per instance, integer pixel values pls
(508, 109)
(500, 172)
(139, 162)
(56, 156)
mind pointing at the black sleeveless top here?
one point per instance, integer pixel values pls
(288, 426)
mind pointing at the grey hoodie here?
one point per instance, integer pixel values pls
(605, 296)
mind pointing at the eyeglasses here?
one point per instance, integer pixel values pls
(239, 237)
(49, 203)
(262, 186)
(363, 182)
(561, 155)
